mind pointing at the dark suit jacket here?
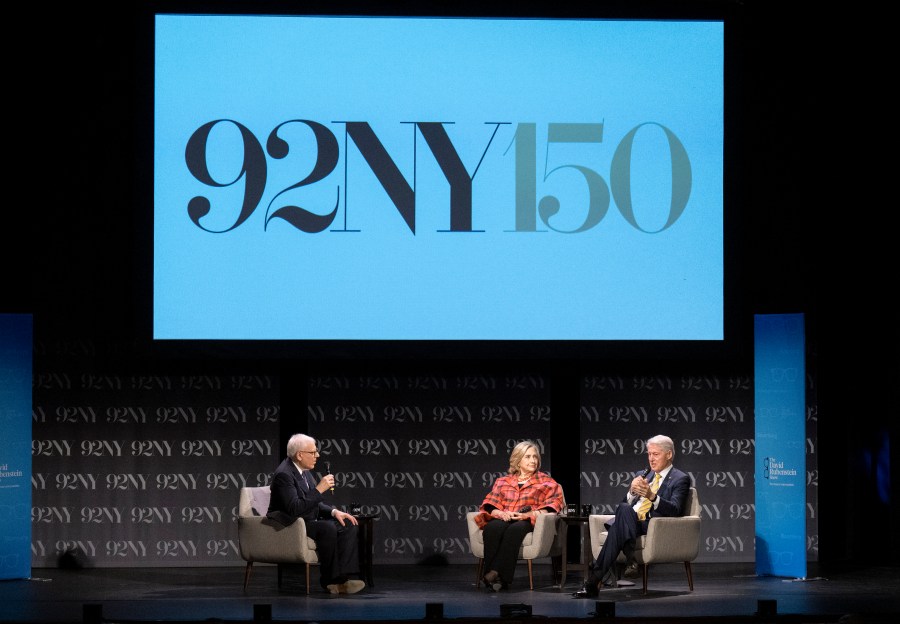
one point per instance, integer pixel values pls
(292, 498)
(672, 494)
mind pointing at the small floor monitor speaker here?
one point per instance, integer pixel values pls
(604, 609)
(517, 610)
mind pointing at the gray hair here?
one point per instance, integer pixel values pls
(296, 441)
(664, 442)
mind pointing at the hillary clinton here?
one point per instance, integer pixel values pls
(509, 510)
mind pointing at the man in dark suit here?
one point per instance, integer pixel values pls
(295, 494)
(664, 494)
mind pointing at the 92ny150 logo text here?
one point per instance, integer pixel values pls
(528, 208)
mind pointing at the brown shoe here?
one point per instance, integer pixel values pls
(347, 587)
(352, 586)
(632, 571)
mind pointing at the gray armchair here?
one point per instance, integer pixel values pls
(537, 544)
(264, 541)
(668, 540)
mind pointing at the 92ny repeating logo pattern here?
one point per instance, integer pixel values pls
(146, 469)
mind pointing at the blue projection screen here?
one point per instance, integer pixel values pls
(400, 178)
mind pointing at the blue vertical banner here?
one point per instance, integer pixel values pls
(780, 408)
(15, 445)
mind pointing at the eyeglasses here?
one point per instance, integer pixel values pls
(315, 452)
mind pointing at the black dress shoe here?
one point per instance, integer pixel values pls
(499, 585)
(490, 579)
(588, 590)
(610, 579)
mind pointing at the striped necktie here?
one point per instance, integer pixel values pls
(646, 504)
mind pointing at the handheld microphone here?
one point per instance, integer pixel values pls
(643, 476)
(328, 471)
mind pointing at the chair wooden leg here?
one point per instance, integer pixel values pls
(307, 578)
(690, 574)
(530, 577)
(478, 573)
(247, 572)
(556, 566)
(645, 568)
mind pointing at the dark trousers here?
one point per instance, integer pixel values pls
(501, 546)
(337, 549)
(624, 529)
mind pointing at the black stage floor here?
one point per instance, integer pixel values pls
(722, 593)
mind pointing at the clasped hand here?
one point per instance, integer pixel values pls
(511, 515)
(640, 486)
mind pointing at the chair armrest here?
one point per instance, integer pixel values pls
(545, 523)
(559, 547)
(544, 534)
(261, 541)
(672, 540)
(476, 537)
(597, 530)
(474, 531)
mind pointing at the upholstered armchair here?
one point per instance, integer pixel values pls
(668, 540)
(537, 544)
(264, 541)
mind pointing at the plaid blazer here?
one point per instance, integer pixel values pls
(541, 492)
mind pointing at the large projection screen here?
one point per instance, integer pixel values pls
(385, 178)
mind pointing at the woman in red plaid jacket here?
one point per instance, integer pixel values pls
(509, 511)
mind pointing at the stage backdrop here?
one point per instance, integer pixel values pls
(15, 441)
(142, 467)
